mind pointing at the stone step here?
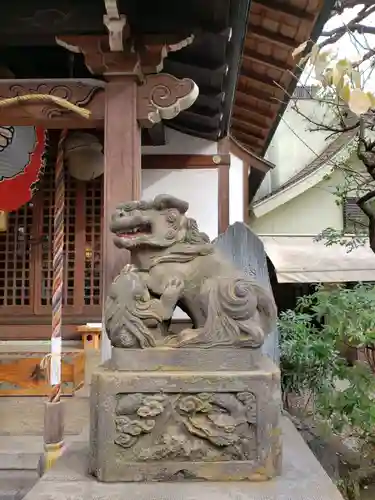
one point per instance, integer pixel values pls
(20, 453)
(14, 485)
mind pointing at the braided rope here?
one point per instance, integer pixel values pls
(4, 103)
(58, 242)
(45, 366)
(58, 251)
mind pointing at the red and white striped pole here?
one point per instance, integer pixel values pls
(53, 415)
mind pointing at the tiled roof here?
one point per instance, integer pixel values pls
(331, 150)
(306, 91)
(269, 73)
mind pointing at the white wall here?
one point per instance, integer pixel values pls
(198, 187)
(294, 145)
(307, 214)
(236, 198)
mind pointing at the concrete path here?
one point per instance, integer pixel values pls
(21, 439)
(14, 485)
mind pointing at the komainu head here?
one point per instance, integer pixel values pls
(159, 223)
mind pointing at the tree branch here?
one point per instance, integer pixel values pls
(341, 5)
(355, 25)
(324, 127)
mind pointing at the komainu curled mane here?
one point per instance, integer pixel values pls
(180, 267)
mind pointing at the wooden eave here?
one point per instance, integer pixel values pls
(274, 29)
(28, 31)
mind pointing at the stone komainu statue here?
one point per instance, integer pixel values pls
(174, 264)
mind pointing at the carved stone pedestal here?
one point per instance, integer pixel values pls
(167, 414)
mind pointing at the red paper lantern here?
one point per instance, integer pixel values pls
(22, 152)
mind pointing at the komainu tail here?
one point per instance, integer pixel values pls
(240, 312)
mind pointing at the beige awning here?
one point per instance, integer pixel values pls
(299, 259)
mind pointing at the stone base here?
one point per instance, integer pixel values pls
(158, 425)
(302, 478)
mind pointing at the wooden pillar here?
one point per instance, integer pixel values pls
(126, 106)
(246, 172)
(223, 198)
(223, 218)
(122, 172)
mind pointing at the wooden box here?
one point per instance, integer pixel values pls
(21, 375)
(90, 336)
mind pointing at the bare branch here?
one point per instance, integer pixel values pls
(367, 56)
(323, 126)
(355, 25)
(357, 181)
(341, 5)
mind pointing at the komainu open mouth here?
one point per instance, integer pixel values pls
(134, 232)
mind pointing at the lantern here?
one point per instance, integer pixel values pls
(84, 156)
(22, 152)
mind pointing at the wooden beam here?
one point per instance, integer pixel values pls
(242, 105)
(256, 94)
(43, 18)
(86, 93)
(144, 56)
(183, 162)
(254, 116)
(270, 36)
(260, 164)
(122, 172)
(249, 127)
(154, 136)
(223, 187)
(89, 93)
(245, 187)
(247, 139)
(249, 157)
(223, 213)
(269, 62)
(248, 136)
(283, 8)
(268, 84)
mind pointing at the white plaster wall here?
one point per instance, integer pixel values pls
(198, 187)
(294, 145)
(307, 214)
(236, 198)
(183, 144)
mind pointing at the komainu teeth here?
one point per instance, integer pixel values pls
(133, 230)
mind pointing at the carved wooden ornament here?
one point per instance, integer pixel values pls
(87, 93)
(160, 97)
(139, 57)
(163, 97)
